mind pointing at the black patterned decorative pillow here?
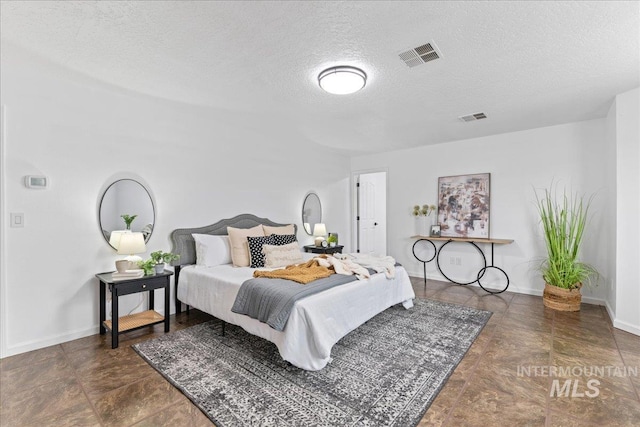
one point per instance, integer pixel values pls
(283, 239)
(256, 257)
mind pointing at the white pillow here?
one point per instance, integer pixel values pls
(212, 250)
(281, 255)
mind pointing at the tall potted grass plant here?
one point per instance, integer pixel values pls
(563, 221)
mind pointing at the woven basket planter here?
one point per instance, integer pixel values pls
(562, 299)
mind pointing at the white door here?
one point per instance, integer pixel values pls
(372, 213)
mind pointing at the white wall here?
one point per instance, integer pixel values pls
(627, 134)
(569, 155)
(201, 164)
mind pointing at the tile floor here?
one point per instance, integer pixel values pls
(85, 382)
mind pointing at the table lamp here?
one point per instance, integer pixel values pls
(114, 238)
(131, 244)
(319, 231)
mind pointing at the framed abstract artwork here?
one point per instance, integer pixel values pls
(463, 205)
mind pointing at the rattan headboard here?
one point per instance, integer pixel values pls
(184, 245)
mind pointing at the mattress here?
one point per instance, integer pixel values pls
(316, 323)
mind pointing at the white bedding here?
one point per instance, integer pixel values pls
(316, 323)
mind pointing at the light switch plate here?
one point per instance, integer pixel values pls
(17, 219)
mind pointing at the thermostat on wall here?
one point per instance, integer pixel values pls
(36, 181)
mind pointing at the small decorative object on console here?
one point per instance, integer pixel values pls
(422, 221)
(435, 231)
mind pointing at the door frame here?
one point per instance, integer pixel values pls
(4, 315)
(354, 204)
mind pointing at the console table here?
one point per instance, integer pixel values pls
(424, 240)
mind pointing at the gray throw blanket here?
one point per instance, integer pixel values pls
(271, 300)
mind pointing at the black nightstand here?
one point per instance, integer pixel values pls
(118, 325)
(337, 249)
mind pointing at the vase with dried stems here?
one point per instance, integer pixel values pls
(421, 215)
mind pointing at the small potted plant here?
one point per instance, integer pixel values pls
(147, 266)
(128, 219)
(159, 258)
(332, 240)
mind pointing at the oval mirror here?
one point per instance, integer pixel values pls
(311, 212)
(123, 200)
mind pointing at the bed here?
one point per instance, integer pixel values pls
(316, 322)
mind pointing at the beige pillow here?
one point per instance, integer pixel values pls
(239, 244)
(281, 256)
(287, 229)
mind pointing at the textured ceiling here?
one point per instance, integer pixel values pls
(524, 64)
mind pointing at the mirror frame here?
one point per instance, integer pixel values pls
(304, 203)
(108, 187)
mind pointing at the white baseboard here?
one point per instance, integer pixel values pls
(626, 327)
(610, 311)
(594, 301)
(26, 346)
(618, 324)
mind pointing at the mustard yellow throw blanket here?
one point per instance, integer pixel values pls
(301, 273)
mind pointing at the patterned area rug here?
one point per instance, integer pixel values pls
(385, 373)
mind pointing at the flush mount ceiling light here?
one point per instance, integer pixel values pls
(342, 80)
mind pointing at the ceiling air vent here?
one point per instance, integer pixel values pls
(421, 54)
(473, 117)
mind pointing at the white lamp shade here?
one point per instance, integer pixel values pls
(342, 80)
(131, 243)
(114, 238)
(320, 230)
